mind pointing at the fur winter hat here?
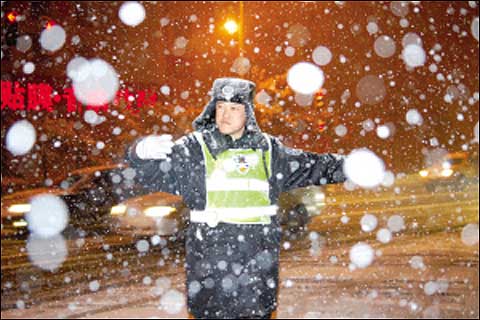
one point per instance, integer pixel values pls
(231, 90)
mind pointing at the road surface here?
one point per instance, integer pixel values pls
(427, 270)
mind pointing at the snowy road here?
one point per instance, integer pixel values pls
(98, 103)
(425, 270)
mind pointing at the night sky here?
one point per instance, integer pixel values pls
(181, 47)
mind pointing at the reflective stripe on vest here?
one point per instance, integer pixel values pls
(238, 178)
(248, 215)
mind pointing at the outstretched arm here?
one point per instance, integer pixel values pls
(154, 170)
(294, 168)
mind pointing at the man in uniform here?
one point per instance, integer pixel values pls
(230, 175)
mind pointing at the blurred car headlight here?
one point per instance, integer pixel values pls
(423, 173)
(447, 172)
(19, 208)
(20, 224)
(319, 198)
(446, 165)
(159, 211)
(118, 210)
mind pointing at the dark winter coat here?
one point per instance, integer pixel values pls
(232, 269)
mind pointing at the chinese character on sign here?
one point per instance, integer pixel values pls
(134, 102)
(145, 96)
(39, 97)
(42, 97)
(125, 95)
(72, 104)
(12, 98)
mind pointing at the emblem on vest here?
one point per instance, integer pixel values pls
(241, 164)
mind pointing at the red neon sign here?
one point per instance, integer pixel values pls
(42, 97)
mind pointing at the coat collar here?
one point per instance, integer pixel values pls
(218, 142)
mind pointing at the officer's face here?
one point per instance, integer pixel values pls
(231, 118)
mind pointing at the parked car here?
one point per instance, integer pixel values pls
(89, 193)
(158, 213)
(166, 215)
(297, 208)
(453, 171)
(16, 205)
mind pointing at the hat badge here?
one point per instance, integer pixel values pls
(228, 92)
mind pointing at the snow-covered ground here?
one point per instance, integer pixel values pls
(426, 269)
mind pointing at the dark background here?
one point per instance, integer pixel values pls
(145, 58)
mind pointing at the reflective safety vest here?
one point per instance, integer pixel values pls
(237, 186)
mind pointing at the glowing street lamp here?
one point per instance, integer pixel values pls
(231, 26)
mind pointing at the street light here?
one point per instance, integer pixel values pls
(231, 26)
(235, 28)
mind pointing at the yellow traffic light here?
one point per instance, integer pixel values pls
(12, 17)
